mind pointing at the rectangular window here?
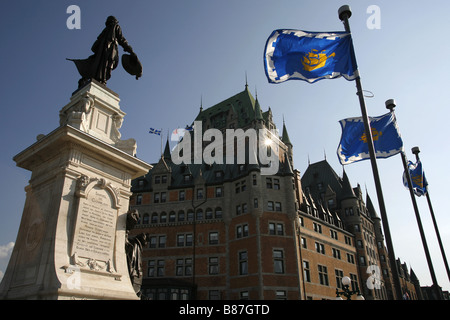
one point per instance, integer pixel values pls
(323, 275)
(354, 282)
(162, 241)
(306, 272)
(184, 267)
(184, 240)
(181, 195)
(213, 237)
(152, 242)
(139, 199)
(281, 295)
(270, 205)
(219, 192)
(280, 229)
(339, 275)
(245, 230)
(304, 246)
(278, 206)
(336, 253)
(151, 268)
(278, 261)
(243, 263)
(317, 227)
(239, 232)
(320, 248)
(276, 184)
(271, 228)
(180, 240)
(161, 268)
(213, 265)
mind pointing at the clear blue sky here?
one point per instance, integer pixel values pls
(197, 49)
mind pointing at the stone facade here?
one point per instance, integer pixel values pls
(226, 231)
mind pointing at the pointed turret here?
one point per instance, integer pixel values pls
(347, 190)
(285, 136)
(167, 155)
(371, 208)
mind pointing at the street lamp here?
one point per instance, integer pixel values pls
(346, 281)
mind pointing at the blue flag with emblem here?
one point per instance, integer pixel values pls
(309, 56)
(419, 182)
(385, 134)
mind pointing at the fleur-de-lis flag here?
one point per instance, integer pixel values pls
(353, 145)
(309, 56)
(419, 182)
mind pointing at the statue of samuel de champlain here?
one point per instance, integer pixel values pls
(106, 56)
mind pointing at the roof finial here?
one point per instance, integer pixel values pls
(246, 83)
(201, 102)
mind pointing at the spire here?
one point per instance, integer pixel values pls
(347, 190)
(371, 208)
(258, 113)
(285, 136)
(167, 155)
(246, 83)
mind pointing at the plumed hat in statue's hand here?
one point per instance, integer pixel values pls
(132, 65)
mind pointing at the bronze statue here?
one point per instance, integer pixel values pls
(106, 56)
(133, 249)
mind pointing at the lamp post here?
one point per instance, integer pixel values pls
(346, 281)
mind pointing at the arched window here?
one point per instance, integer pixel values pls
(146, 218)
(163, 217)
(181, 216)
(154, 218)
(209, 213)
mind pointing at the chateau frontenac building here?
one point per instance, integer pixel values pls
(231, 231)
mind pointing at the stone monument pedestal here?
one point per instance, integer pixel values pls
(71, 239)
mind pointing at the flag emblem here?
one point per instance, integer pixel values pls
(419, 182)
(309, 56)
(353, 145)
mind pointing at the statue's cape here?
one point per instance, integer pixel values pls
(85, 66)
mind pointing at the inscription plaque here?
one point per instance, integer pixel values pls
(96, 226)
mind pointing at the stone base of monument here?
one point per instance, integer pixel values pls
(71, 239)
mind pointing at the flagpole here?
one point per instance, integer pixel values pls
(390, 104)
(344, 15)
(415, 151)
